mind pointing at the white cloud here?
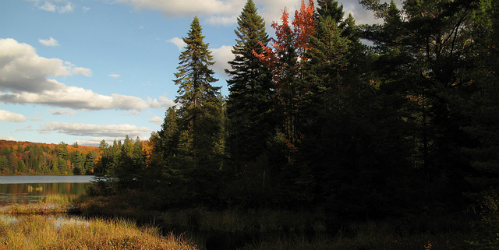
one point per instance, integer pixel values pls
(62, 112)
(222, 20)
(82, 71)
(221, 56)
(48, 7)
(85, 9)
(49, 42)
(224, 12)
(11, 116)
(188, 7)
(58, 5)
(79, 98)
(178, 42)
(80, 129)
(166, 102)
(24, 79)
(8, 138)
(21, 69)
(66, 9)
(114, 75)
(156, 119)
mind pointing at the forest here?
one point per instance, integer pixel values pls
(362, 122)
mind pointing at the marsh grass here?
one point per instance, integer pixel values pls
(51, 204)
(232, 220)
(370, 235)
(42, 232)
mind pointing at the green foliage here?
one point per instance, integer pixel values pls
(486, 229)
(200, 107)
(38, 158)
(250, 90)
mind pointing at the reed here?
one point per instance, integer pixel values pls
(42, 232)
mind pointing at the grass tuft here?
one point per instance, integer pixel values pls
(42, 232)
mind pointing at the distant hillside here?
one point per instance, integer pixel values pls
(42, 158)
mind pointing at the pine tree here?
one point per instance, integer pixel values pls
(250, 89)
(199, 105)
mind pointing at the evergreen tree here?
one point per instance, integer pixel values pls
(431, 59)
(250, 90)
(478, 101)
(200, 107)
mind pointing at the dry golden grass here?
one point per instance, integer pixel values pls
(42, 232)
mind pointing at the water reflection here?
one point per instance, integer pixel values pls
(32, 189)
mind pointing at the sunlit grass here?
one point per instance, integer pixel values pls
(51, 204)
(42, 232)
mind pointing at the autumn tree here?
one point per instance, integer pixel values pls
(284, 58)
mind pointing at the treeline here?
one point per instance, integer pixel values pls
(317, 118)
(41, 158)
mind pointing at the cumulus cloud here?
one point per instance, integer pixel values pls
(224, 12)
(49, 42)
(178, 42)
(165, 102)
(114, 75)
(82, 71)
(66, 9)
(8, 138)
(156, 119)
(222, 20)
(187, 7)
(24, 79)
(48, 7)
(221, 56)
(21, 69)
(79, 98)
(80, 129)
(11, 116)
(62, 112)
(60, 6)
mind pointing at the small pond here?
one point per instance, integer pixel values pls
(32, 188)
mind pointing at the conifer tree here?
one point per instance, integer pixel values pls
(250, 89)
(437, 61)
(200, 107)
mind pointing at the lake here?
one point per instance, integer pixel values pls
(33, 188)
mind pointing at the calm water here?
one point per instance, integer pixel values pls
(33, 188)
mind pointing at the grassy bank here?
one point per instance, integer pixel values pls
(42, 232)
(272, 229)
(281, 229)
(230, 228)
(371, 235)
(51, 204)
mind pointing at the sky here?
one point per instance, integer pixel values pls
(87, 70)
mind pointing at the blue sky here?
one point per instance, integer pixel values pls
(83, 71)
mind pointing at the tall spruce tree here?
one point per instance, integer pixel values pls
(250, 90)
(200, 105)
